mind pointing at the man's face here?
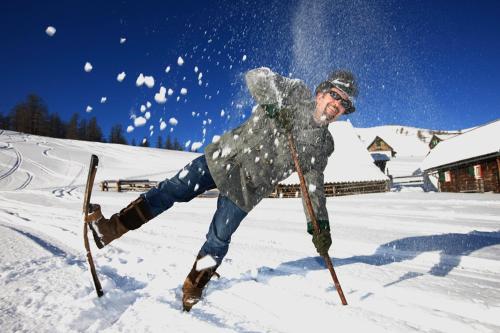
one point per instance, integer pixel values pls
(328, 109)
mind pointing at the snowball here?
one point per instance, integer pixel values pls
(148, 104)
(172, 121)
(222, 113)
(143, 108)
(167, 69)
(149, 81)
(147, 115)
(139, 121)
(130, 128)
(200, 76)
(216, 138)
(140, 80)
(89, 108)
(88, 67)
(180, 61)
(163, 125)
(244, 57)
(103, 99)
(178, 98)
(184, 91)
(151, 133)
(196, 145)
(50, 31)
(312, 187)
(151, 127)
(123, 40)
(196, 69)
(209, 121)
(170, 92)
(120, 77)
(160, 96)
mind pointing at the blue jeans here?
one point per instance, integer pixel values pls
(193, 180)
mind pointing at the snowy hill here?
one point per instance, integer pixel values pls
(408, 262)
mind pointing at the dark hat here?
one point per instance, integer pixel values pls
(341, 79)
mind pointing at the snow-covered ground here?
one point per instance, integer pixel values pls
(407, 261)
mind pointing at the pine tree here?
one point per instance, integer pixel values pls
(168, 143)
(72, 131)
(94, 132)
(177, 145)
(30, 116)
(116, 135)
(4, 122)
(57, 128)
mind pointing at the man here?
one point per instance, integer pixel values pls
(245, 165)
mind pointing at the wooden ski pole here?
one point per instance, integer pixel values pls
(94, 160)
(307, 199)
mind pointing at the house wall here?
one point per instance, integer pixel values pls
(463, 181)
(380, 145)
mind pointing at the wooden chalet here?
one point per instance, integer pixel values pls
(350, 169)
(379, 145)
(469, 162)
(434, 141)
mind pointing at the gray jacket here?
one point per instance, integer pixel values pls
(248, 162)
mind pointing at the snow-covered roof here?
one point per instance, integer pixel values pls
(482, 140)
(350, 162)
(403, 139)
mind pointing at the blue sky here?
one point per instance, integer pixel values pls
(429, 64)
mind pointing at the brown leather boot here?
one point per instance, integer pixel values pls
(194, 284)
(130, 218)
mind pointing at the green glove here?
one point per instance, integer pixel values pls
(283, 116)
(322, 241)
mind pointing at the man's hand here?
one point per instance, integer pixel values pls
(283, 116)
(322, 241)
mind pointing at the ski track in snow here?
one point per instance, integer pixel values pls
(407, 262)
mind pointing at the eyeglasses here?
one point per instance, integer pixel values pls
(347, 104)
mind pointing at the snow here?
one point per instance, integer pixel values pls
(139, 121)
(184, 91)
(196, 145)
(407, 261)
(103, 99)
(170, 92)
(50, 31)
(172, 121)
(120, 77)
(482, 140)
(160, 96)
(163, 125)
(140, 80)
(149, 81)
(88, 67)
(130, 128)
(123, 40)
(167, 69)
(88, 109)
(180, 61)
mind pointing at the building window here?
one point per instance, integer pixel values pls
(447, 176)
(441, 176)
(478, 172)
